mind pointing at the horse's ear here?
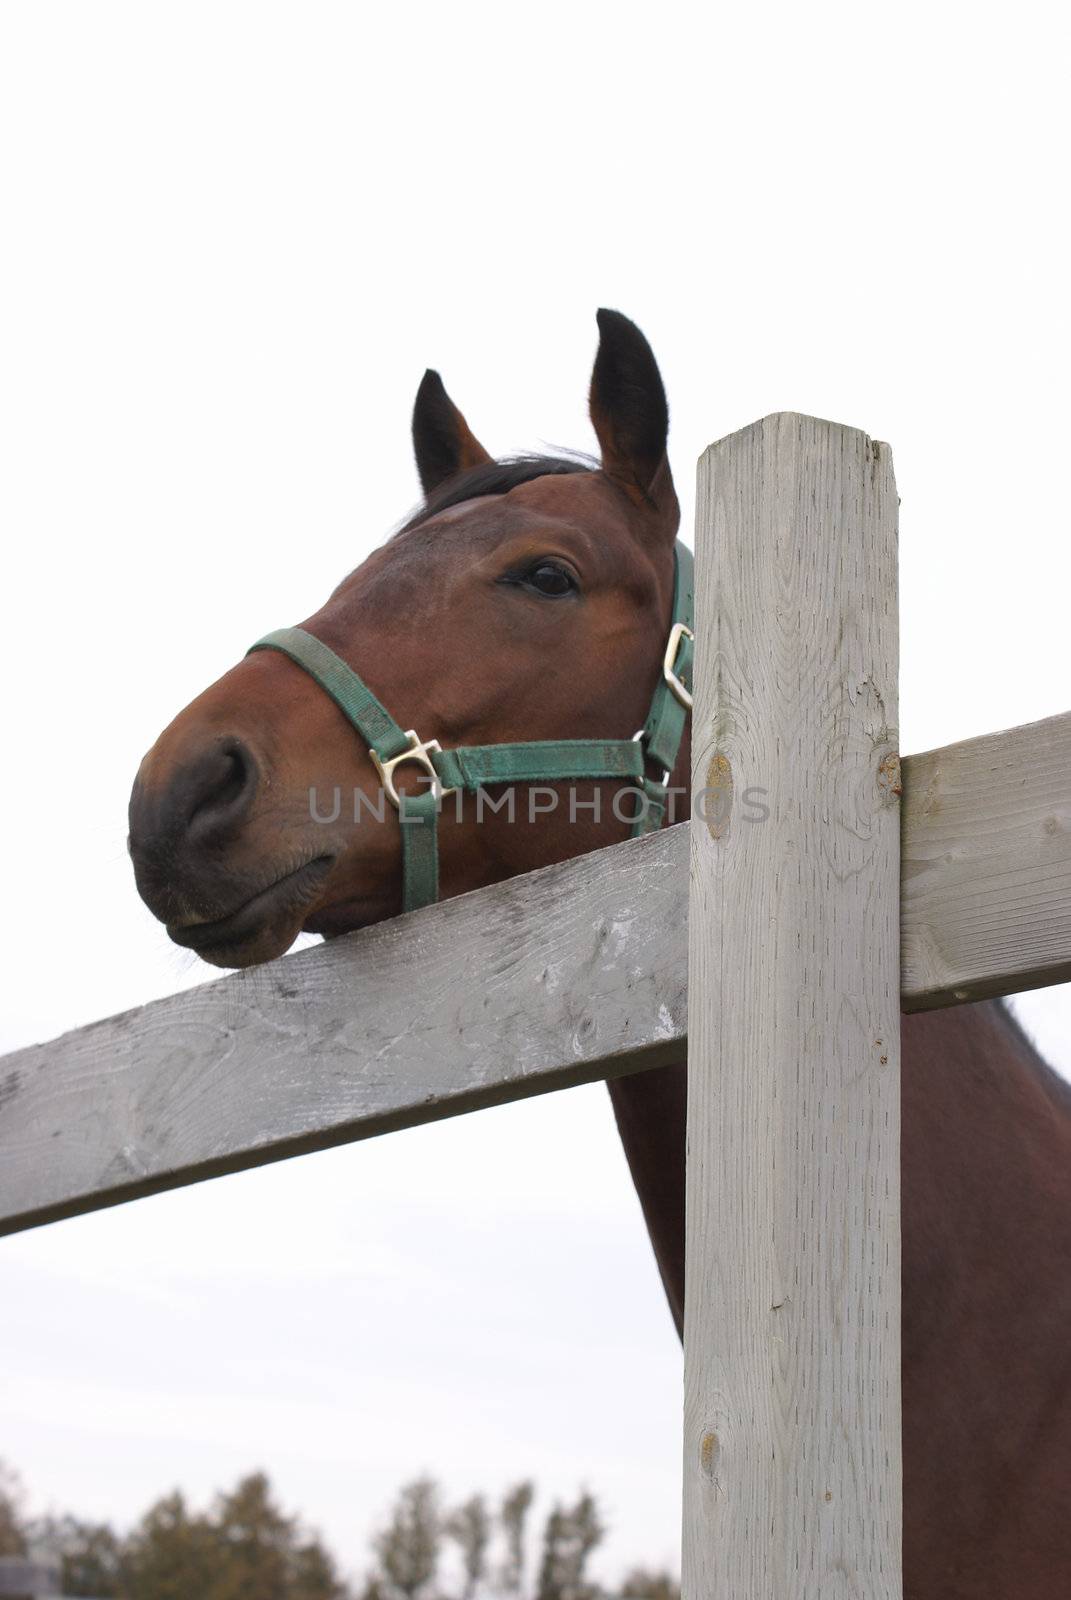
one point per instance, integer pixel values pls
(631, 417)
(442, 439)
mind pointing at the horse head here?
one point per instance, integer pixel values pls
(526, 606)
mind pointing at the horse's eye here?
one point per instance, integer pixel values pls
(549, 579)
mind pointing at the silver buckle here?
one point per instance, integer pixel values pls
(638, 738)
(420, 751)
(679, 631)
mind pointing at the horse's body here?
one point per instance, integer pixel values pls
(531, 601)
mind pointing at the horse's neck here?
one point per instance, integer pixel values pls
(986, 1161)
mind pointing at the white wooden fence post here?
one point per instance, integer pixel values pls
(792, 1339)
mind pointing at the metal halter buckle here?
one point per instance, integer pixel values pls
(420, 751)
(679, 631)
(638, 738)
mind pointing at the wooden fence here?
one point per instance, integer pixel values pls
(817, 906)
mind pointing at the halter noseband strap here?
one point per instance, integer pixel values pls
(472, 767)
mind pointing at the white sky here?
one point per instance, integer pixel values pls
(233, 238)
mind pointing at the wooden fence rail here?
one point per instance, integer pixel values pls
(574, 973)
(986, 871)
(338, 1042)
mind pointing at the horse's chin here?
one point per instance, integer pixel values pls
(253, 953)
(267, 926)
(262, 927)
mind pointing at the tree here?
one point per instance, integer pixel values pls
(568, 1540)
(639, 1584)
(513, 1517)
(12, 1529)
(408, 1548)
(552, 1574)
(170, 1555)
(470, 1527)
(314, 1576)
(245, 1548)
(90, 1554)
(586, 1531)
(257, 1543)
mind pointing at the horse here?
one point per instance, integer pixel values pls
(535, 599)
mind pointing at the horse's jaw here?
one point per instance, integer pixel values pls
(346, 916)
(261, 925)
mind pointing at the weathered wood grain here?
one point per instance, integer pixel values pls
(986, 872)
(792, 1320)
(567, 975)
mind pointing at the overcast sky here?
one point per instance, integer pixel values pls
(234, 237)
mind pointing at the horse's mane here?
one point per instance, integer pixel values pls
(497, 477)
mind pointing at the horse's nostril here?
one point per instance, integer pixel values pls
(222, 784)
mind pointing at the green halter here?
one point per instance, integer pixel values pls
(472, 767)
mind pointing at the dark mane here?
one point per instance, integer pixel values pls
(497, 477)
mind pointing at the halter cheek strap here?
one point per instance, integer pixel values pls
(473, 767)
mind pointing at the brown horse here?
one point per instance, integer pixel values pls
(530, 600)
